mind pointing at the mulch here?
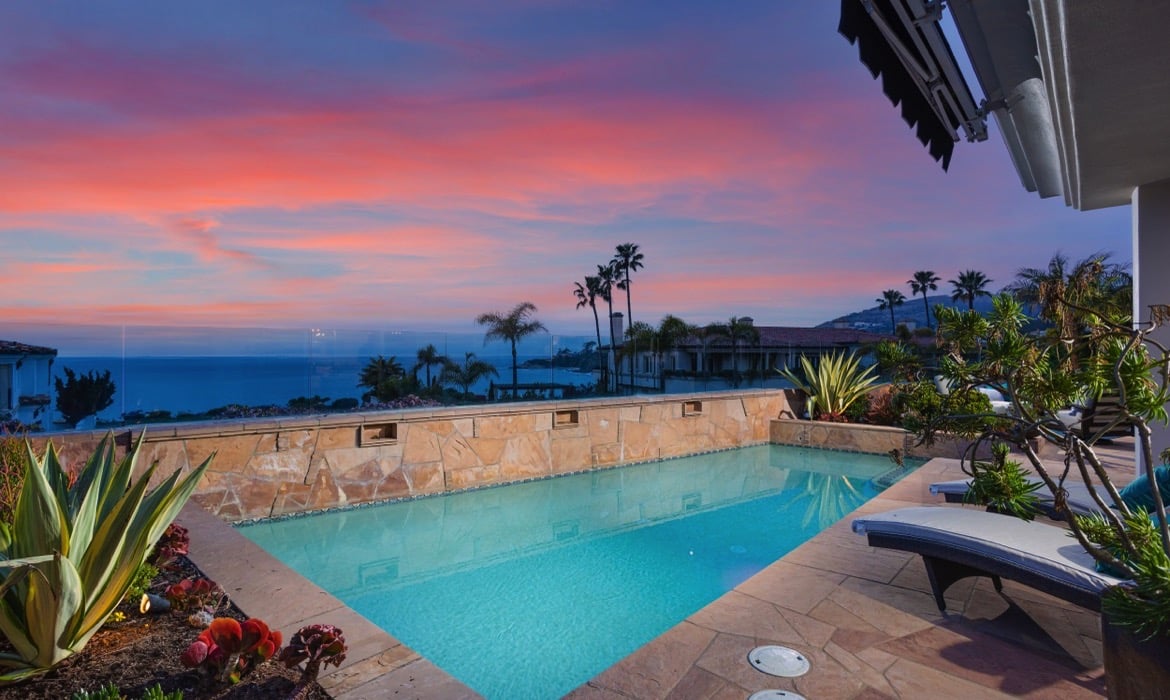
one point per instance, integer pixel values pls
(142, 651)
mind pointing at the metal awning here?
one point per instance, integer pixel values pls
(901, 41)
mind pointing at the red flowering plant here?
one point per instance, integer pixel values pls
(230, 650)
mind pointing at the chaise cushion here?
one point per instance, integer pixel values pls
(1041, 555)
(1079, 499)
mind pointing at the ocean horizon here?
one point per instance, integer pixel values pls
(192, 384)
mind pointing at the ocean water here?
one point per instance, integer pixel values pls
(197, 384)
(529, 590)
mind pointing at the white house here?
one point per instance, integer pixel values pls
(711, 363)
(1080, 91)
(26, 383)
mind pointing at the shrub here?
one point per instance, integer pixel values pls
(879, 406)
(1003, 485)
(309, 403)
(84, 395)
(143, 577)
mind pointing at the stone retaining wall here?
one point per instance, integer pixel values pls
(855, 437)
(268, 467)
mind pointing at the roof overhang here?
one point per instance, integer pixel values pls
(901, 41)
(1079, 89)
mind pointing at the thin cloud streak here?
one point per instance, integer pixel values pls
(380, 165)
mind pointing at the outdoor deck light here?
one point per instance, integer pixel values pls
(152, 604)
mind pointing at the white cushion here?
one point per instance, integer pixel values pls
(1033, 546)
(992, 395)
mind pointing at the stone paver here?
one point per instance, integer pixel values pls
(867, 621)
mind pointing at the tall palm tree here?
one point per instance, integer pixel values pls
(470, 372)
(513, 326)
(627, 260)
(587, 296)
(428, 356)
(888, 300)
(737, 329)
(924, 281)
(970, 285)
(606, 280)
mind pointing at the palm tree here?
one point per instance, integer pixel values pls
(512, 327)
(888, 300)
(970, 285)
(671, 331)
(1065, 293)
(736, 329)
(377, 373)
(606, 279)
(924, 281)
(426, 357)
(587, 296)
(626, 261)
(467, 374)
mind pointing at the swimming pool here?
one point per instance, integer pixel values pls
(529, 590)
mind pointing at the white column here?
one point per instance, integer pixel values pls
(1151, 269)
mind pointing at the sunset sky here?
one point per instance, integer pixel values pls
(410, 165)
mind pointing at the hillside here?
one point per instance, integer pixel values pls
(878, 320)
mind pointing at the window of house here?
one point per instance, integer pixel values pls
(5, 387)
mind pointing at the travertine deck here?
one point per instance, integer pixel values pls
(863, 616)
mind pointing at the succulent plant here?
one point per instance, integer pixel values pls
(230, 649)
(174, 543)
(192, 593)
(74, 547)
(315, 645)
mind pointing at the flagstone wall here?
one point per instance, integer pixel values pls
(267, 467)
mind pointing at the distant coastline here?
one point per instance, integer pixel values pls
(196, 385)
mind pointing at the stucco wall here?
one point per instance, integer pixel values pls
(269, 467)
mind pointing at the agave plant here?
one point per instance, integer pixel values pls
(834, 384)
(74, 548)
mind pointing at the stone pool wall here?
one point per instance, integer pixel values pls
(268, 467)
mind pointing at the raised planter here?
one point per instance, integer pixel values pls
(857, 437)
(1134, 668)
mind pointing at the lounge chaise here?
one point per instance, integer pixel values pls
(959, 542)
(1136, 494)
(1079, 500)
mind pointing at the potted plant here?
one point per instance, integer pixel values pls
(1095, 350)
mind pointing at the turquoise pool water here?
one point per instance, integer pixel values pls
(529, 590)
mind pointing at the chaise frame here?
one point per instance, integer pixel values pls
(1034, 554)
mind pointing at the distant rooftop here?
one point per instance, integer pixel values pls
(11, 347)
(802, 337)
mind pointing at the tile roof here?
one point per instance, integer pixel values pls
(801, 337)
(11, 347)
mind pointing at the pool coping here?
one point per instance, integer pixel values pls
(679, 662)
